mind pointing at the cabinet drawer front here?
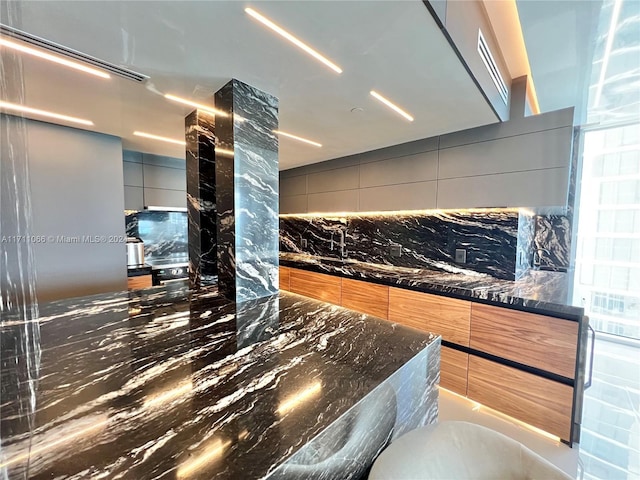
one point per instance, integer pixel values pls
(142, 281)
(366, 297)
(445, 316)
(316, 285)
(453, 370)
(534, 400)
(539, 341)
(284, 278)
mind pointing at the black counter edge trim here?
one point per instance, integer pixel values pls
(510, 363)
(460, 296)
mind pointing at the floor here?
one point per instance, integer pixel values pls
(610, 445)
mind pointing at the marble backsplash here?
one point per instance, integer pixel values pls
(489, 238)
(164, 233)
(552, 238)
(503, 243)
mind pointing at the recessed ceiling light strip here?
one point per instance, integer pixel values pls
(69, 52)
(300, 139)
(43, 113)
(391, 105)
(298, 43)
(200, 106)
(158, 137)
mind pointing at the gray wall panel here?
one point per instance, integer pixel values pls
(411, 196)
(293, 204)
(323, 166)
(294, 185)
(133, 198)
(547, 149)
(518, 126)
(400, 150)
(539, 147)
(412, 168)
(76, 191)
(333, 180)
(157, 197)
(131, 156)
(520, 189)
(132, 174)
(161, 161)
(162, 177)
(345, 201)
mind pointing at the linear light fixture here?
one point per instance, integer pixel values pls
(52, 58)
(298, 43)
(391, 105)
(42, 43)
(43, 113)
(200, 106)
(300, 139)
(395, 213)
(158, 137)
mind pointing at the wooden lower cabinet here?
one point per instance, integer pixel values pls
(366, 297)
(285, 272)
(453, 370)
(540, 402)
(536, 340)
(547, 343)
(445, 316)
(141, 281)
(327, 288)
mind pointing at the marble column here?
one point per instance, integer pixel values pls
(201, 198)
(20, 349)
(246, 158)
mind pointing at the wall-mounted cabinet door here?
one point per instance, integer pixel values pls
(366, 297)
(453, 370)
(444, 316)
(316, 285)
(535, 400)
(543, 342)
(285, 273)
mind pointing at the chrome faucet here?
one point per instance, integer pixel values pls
(342, 244)
(537, 257)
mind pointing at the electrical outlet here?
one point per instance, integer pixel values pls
(461, 255)
(395, 250)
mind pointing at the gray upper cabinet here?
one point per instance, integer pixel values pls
(520, 163)
(153, 180)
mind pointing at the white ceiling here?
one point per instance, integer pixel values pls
(191, 49)
(560, 38)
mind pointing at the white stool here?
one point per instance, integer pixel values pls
(460, 450)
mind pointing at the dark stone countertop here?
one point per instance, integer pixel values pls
(538, 291)
(167, 383)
